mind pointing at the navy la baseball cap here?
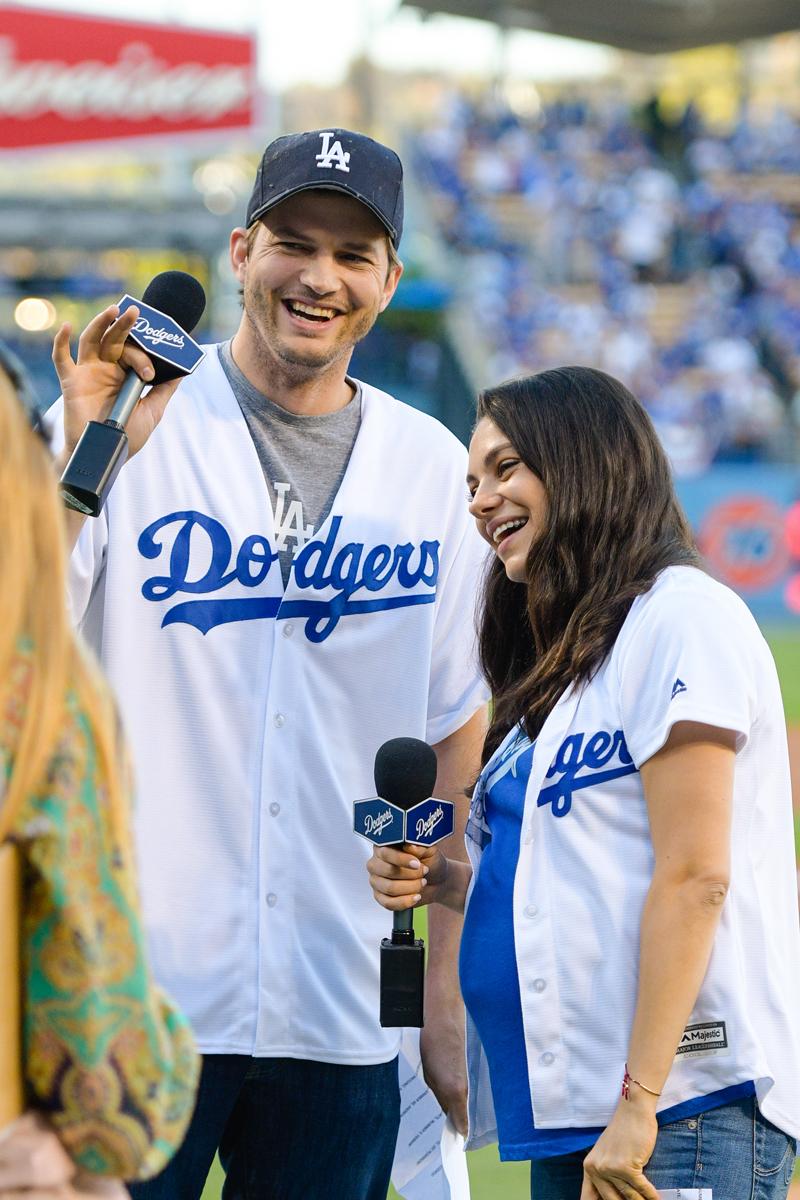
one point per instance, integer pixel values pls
(331, 158)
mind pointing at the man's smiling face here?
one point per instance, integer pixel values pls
(315, 278)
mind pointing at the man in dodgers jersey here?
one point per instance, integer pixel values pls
(281, 580)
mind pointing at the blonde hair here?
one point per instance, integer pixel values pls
(34, 608)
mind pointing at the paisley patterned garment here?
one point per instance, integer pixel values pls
(106, 1055)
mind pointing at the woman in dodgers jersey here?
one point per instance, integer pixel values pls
(630, 958)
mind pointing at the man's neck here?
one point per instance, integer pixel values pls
(302, 392)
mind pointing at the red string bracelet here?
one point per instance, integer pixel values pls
(627, 1080)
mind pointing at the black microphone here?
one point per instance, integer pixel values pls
(405, 775)
(103, 446)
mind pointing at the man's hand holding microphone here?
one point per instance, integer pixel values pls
(108, 413)
(90, 384)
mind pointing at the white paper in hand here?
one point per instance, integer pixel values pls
(429, 1162)
(454, 1161)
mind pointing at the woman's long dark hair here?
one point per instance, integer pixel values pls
(613, 524)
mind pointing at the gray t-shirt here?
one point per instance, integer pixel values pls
(303, 458)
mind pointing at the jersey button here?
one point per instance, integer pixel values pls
(274, 808)
(539, 985)
(531, 910)
(272, 899)
(547, 1059)
(288, 630)
(279, 720)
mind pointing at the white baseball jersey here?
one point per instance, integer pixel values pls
(255, 713)
(689, 650)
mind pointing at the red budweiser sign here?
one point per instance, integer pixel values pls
(69, 78)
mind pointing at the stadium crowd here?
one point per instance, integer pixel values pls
(668, 254)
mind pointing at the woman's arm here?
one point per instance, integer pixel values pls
(107, 1057)
(688, 788)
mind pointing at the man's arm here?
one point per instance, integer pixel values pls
(442, 1038)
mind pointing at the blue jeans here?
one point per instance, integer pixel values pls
(733, 1150)
(286, 1129)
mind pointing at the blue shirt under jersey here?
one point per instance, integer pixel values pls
(490, 982)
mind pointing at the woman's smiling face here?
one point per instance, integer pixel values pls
(507, 500)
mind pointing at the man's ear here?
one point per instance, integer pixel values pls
(390, 287)
(238, 252)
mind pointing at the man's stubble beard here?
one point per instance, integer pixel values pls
(260, 316)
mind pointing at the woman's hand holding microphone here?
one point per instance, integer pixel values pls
(405, 876)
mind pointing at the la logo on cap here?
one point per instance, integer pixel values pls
(332, 155)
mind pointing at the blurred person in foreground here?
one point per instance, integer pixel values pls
(106, 1059)
(630, 959)
(277, 586)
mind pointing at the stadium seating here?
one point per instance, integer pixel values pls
(669, 257)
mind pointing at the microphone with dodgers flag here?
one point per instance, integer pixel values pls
(403, 811)
(172, 304)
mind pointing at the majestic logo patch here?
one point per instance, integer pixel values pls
(331, 575)
(678, 687)
(704, 1039)
(332, 155)
(578, 764)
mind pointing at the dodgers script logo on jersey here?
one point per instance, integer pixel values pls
(578, 764)
(201, 560)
